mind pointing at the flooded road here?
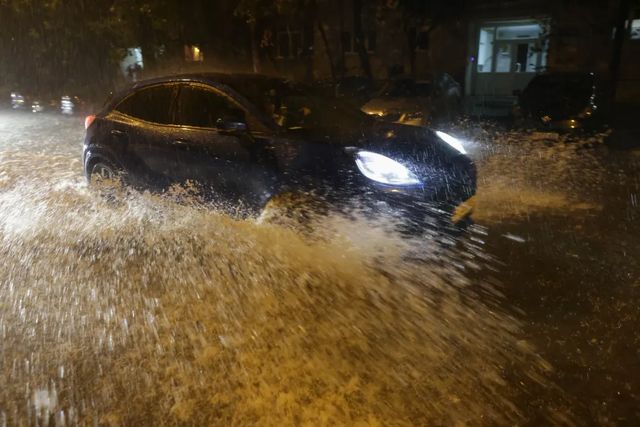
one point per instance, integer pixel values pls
(152, 312)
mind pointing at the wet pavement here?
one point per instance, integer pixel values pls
(146, 311)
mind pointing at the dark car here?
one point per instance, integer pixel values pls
(250, 140)
(563, 102)
(414, 102)
(356, 89)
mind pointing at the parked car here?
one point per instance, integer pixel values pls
(70, 105)
(255, 141)
(66, 104)
(416, 102)
(17, 101)
(20, 101)
(562, 102)
(357, 89)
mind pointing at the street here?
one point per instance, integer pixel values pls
(152, 309)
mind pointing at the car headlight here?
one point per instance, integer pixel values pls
(452, 141)
(383, 169)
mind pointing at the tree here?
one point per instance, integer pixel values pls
(256, 13)
(427, 15)
(359, 39)
(49, 46)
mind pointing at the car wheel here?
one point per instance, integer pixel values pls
(106, 177)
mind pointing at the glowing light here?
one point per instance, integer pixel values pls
(88, 120)
(452, 141)
(382, 169)
(193, 53)
(378, 113)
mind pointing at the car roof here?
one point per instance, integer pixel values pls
(224, 78)
(231, 80)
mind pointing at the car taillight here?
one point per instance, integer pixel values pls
(88, 120)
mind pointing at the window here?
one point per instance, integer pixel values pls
(202, 107)
(635, 29)
(152, 104)
(371, 41)
(503, 58)
(289, 44)
(296, 44)
(511, 48)
(519, 32)
(485, 49)
(132, 63)
(422, 41)
(284, 47)
(347, 42)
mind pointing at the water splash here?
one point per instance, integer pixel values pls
(149, 311)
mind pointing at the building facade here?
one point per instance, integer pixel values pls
(493, 48)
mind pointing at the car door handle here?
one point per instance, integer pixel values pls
(179, 142)
(117, 132)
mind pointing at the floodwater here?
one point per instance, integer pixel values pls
(146, 311)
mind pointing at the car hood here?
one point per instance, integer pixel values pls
(431, 159)
(373, 132)
(382, 137)
(385, 105)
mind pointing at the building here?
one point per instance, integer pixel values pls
(492, 47)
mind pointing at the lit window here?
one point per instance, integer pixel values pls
(503, 58)
(132, 64)
(193, 53)
(635, 29)
(485, 49)
(511, 48)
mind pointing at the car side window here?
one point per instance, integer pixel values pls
(201, 107)
(152, 104)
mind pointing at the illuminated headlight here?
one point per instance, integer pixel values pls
(382, 169)
(452, 141)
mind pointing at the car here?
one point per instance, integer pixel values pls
(408, 101)
(563, 102)
(256, 142)
(67, 105)
(18, 101)
(355, 89)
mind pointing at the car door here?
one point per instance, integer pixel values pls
(219, 151)
(144, 125)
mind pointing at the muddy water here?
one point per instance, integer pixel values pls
(152, 312)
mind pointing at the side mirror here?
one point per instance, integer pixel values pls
(231, 125)
(234, 120)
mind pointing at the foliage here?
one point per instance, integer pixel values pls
(55, 44)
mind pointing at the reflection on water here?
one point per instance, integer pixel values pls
(147, 311)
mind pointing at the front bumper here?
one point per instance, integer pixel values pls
(420, 211)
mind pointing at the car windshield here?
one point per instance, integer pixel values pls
(296, 106)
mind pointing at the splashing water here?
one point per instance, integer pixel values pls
(147, 312)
